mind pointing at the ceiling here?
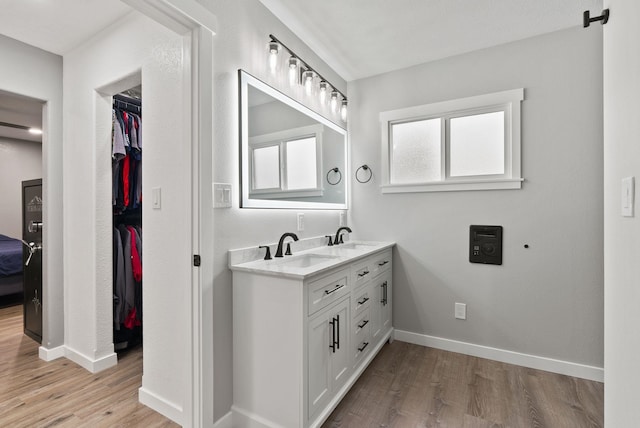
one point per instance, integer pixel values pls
(361, 38)
(22, 111)
(58, 25)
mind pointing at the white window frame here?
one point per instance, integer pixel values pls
(507, 101)
(281, 139)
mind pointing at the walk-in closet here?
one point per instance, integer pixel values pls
(126, 162)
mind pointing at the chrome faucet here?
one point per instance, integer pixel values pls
(281, 241)
(338, 238)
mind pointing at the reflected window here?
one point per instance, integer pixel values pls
(287, 162)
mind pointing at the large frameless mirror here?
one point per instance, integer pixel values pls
(291, 157)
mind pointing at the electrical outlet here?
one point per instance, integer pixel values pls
(461, 311)
(300, 222)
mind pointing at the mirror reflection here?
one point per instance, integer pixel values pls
(291, 156)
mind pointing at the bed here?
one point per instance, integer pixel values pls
(10, 266)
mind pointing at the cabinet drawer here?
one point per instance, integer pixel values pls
(361, 336)
(381, 263)
(326, 290)
(361, 301)
(361, 272)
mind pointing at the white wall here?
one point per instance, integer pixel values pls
(37, 74)
(19, 161)
(621, 243)
(546, 300)
(241, 42)
(136, 50)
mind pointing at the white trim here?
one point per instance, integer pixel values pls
(525, 360)
(47, 354)
(225, 422)
(94, 366)
(160, 405)
(456, 185)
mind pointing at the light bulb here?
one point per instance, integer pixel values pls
(308, 81)
(334, 100)
(273, 56)
(323, 92)
(35, 131)
(343, 111)
(293, 70)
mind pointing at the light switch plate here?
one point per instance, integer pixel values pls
(156, 198)
(627, 196)
(222, 195)
(461, 311)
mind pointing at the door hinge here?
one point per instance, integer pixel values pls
(196, 260)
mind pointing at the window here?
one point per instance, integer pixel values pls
(465, 144)
(286, 162)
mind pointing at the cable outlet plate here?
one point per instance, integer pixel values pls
(461, 311)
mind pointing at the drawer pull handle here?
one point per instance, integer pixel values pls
(365, 322)
(364, 345)
(364, 300)
(383, 263)
(366, 272)
(338, 287)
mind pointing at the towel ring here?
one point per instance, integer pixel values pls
(365, 168)
(337, 171)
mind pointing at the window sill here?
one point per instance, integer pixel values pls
(454, 186)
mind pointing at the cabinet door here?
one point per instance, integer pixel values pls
(340, 358)
(320, 337)
(328, 344)
(381, 304)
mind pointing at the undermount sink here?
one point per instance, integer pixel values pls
(355, 246)
(306, 260)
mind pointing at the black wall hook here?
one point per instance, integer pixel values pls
(587, 20)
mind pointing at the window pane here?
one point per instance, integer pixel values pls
(301, 164)
(477, 145)
(415, 151)
(266, 168)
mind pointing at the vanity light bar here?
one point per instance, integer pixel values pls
(295, 62)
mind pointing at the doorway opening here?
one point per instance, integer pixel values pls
(20, 163)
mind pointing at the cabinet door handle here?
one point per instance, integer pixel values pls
(338, 287)
(364, 300)
(333, 335)
(364, 322)
(338, 330)
(383, 263)
(364, 345)
(366, 272)
(384, 293)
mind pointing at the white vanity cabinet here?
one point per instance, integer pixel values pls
(301, 340)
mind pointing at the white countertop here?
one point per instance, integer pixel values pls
(303, 264)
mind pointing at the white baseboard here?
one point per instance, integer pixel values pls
(532, 361)
(47, 354)
(93, 365)
(160, 405)
(225, 422)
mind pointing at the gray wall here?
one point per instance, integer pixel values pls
(546, 300)
(19, 161)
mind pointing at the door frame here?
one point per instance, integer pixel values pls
(197, 25)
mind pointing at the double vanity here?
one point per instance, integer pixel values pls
(305, 327)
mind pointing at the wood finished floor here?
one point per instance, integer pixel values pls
(413, 386)
(60, 393)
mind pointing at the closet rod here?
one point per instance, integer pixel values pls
(124, 98)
